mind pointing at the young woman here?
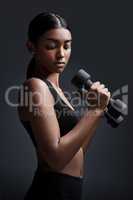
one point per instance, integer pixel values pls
(60, 137)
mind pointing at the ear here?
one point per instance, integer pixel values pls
(30, 46)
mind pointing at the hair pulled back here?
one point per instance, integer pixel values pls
(39, 25)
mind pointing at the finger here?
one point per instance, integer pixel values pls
(102, 86)
(95, 85)
(109, 94)
(105, 90)
(102, 90)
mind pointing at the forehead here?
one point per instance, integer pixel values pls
(59, 34)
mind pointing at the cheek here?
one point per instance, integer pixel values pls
(47, 55)
(68, 54)
(50, 55)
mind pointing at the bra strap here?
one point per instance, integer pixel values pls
(52, 90)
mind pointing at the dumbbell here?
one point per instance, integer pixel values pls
(116, 109)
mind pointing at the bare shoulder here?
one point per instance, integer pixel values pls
(35, 94)
(35, 83)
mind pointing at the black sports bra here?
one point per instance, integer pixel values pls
(67, 118)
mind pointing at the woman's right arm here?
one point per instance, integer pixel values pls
(56, 150)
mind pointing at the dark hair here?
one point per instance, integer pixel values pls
(40, 24)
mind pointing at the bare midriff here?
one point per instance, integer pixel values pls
(74, 168)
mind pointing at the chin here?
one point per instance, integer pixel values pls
(60, 69)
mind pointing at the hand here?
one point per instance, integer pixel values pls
(98, 96)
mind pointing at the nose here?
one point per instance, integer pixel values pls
(60, 53)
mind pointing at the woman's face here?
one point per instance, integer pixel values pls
(53, 50)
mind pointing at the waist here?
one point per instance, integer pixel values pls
(50, 174)
(75, 168)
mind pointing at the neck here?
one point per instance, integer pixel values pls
(51, 76)
(54, 78)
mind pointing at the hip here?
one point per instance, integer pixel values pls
(55, 185)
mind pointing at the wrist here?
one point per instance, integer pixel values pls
(97, 112)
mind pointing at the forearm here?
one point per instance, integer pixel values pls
(88, 139)
(70, 144)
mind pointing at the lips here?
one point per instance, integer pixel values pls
(60, 63)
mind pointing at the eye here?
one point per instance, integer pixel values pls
(51, 46)
(67, 46)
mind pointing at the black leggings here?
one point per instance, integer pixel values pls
(55, 186)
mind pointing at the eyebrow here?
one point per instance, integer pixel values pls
(55, 40)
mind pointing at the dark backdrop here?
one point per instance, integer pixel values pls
(102, 45)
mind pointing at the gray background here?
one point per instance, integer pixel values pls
(102, 45)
